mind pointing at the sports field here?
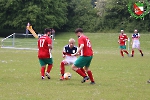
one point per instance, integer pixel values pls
(116, 78)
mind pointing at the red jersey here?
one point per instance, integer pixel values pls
(87, 49)
(44, 51)
(122, 39)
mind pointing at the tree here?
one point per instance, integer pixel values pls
(118, 17)
(40, 13)
(81, 14)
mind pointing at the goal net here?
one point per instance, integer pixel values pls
(19, 41)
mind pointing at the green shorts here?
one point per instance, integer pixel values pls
(46, 61)
(83, 61)
(123, 47)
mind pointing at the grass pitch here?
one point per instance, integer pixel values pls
(116, 78)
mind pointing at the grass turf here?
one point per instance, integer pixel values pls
(116, 78)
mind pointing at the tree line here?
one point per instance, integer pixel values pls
(66, 15)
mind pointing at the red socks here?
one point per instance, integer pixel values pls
(90, 75)
(83, 74)
(49, 68)
(42, 71)
(132, 52)
(121, 52)
(141, 51)
(62, 68)
(80, 72)
(126, 51)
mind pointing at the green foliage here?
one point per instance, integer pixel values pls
(67, 15)
(81, 14)
(40, 13)
(118, 17)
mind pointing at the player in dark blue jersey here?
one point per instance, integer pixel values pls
(68, 59)
(136, 42)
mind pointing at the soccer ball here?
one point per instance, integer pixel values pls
(67, 75)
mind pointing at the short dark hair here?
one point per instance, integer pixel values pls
(79, 30)
(47, 30)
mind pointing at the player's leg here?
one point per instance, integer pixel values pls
(79, 63)
(124, 50)
(49, 61)
(133, 47)
(140, 49)
(141, 52)
(132, 52)
(49, 67)
(62, 69)
(89, 72)
(83, 70)
(73, 60)
(121, 52)
(42, 70)
(78, 70)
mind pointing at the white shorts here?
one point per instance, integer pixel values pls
(136, 45)
(70, 59)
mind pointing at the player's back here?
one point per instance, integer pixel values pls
(44, 51)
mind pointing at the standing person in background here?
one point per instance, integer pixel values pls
(85, 58)
(44, 53)
(27, 31)
(53, 33)
(122, 42)
(136, 42)
(67, 51)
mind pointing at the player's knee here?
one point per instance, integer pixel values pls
(86, 69)
(64, 62)
(74, 67)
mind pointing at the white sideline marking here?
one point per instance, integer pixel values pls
(19, 48)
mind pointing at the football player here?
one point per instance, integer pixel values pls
(122, 42)
(44, 53)
(136, 42)
(85, 58)
(68, 59)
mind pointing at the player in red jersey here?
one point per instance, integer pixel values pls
(122, 42)
(44, 53)
(85, 58)
(136, 42)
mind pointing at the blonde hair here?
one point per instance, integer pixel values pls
(72, 40)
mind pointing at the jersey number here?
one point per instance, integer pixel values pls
(42, 42)
(88, 43)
